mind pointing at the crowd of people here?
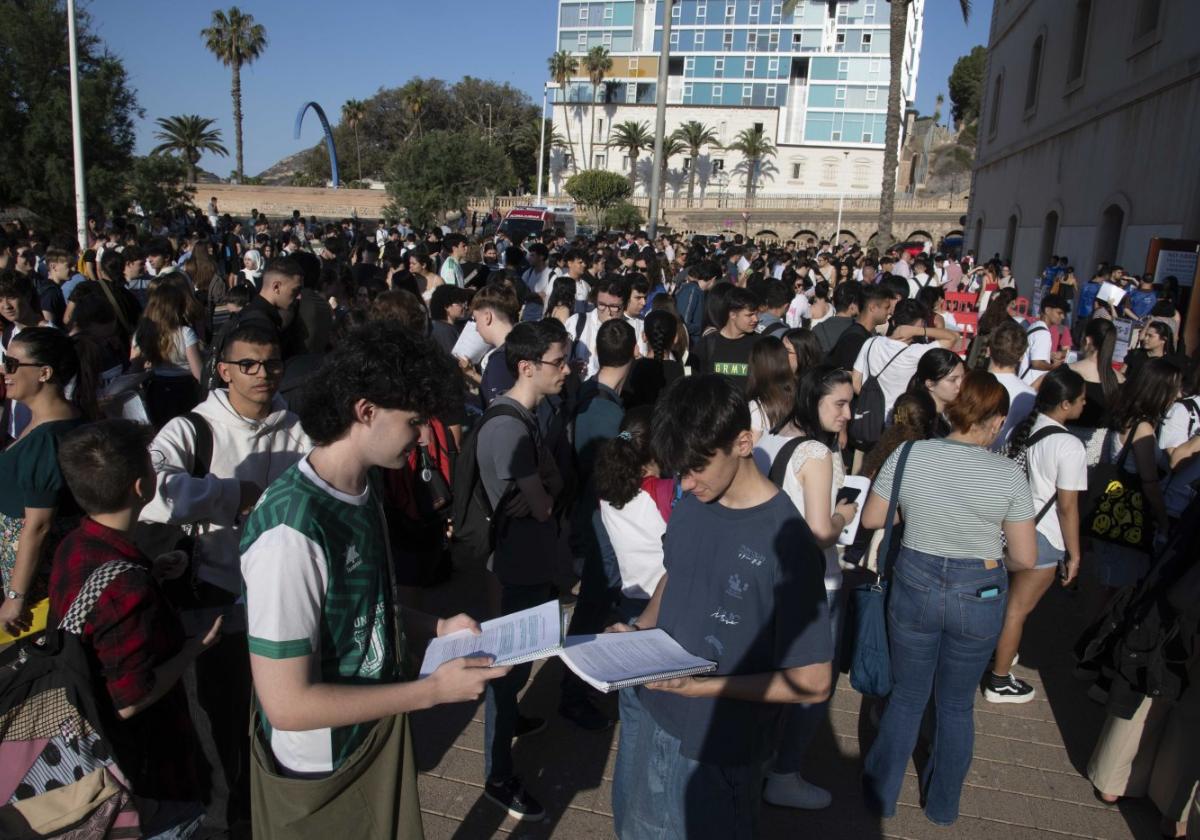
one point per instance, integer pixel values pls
(250, 447)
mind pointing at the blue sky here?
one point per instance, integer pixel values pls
(348, 50)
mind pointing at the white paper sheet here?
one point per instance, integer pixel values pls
(524, 636)
(609, 660)
(862, 484)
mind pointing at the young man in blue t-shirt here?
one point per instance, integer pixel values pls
(743, 587)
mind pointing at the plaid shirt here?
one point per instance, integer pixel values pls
(131, 631)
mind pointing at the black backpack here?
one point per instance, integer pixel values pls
(776, 328)
(782, 458)
(472, 514)
(870, 406)
(1021, 456)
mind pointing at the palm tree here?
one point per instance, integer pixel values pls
(597, 62)
(235, 39)
(415, 95)
(898, 31)
(353, 113)
(189, 135)
(695, 134)
(563, 66)
(754, 146)
(631, 137)
(672, 146)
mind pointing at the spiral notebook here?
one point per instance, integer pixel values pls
(607, 662)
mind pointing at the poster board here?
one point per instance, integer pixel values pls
(1124, 339)
(1040, 290)
(1178, 257)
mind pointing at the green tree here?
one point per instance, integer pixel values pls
(160, 183)
(755, 148)
(632, 137)
(35, 114)
(597, 62)
(695, 135)
(597, 190)
(623, 216)
(354, 111)
(440, 170)
(235, 39)
(966, 86)
(189, 135)
(562, 67)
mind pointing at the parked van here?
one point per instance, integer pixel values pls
(523, 222)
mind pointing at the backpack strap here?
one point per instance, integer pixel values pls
(893, 503)
(885, 367)
(777, 327)
(782, 458)
(89, 594)
(1036, 329)
(202, 447)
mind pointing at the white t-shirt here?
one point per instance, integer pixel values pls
(585, 348)
(875, 354)
(758, 418)
(919, 281)
(1040, 349)
(798, 310)
(1179, 426)
(815, 450)
(539, 281)
(1020, 403)
(1057, 462)
(636, 533)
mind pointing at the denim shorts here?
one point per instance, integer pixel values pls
(1047, 556)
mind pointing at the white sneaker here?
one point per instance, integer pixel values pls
(789, 790)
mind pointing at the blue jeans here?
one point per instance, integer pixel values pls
(500, 703)
(941, 634)
(658, 794)
(801, 720)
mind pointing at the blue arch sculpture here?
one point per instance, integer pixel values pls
(333, 163)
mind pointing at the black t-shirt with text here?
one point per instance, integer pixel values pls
(730, 357)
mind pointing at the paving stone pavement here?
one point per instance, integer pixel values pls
(1026, 780)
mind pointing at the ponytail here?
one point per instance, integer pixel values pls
(1058, 386)
(621, 461)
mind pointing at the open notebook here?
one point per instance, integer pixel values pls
(607, 662)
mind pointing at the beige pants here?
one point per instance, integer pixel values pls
(1155, 754)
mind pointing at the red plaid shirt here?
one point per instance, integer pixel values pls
(132, 630)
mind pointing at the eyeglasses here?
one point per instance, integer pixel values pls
(250, 367)
(560, 362)
(610, 307)
(11, 364)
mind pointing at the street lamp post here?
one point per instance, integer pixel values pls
(542, 144)
(81, 230)
(660, 121)
(837, 234)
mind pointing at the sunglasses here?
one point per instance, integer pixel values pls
(11, 364)
(250, 367)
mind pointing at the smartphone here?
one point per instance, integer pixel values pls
(988, 592)
(1062, 568)
(848, 494)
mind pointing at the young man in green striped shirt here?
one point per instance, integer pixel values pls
(327, 647)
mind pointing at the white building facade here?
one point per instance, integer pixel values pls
(816, 83)
(1087, 123)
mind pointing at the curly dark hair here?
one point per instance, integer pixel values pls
(387, 364)
(621, 460)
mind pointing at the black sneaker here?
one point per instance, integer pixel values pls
(512, 796)
(1007, 689)
(528, 726)
(586, 716)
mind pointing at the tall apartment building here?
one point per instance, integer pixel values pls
(816, 82)
(1087, 130)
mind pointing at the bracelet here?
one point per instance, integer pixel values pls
(13, 595)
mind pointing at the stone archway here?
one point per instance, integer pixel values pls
(920, 235)
(806, 236)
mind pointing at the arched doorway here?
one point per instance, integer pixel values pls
(1049, 235)
(806, 237)
(1108, 236)
(1010, 239)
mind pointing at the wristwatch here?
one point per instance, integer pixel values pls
(13, 595)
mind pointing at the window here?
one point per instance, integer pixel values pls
(773, 66)
(1079, 40)
(625, 161)
(717, 164)
(699, 39)
(1145, 22)
(718, 67)
(630, 94)
(749, 67)
(829, 170)
(776, 13)
(608, 14)
(747, 94)
(606, 39)
(689, 65)
(798, 170)
(730, 9)
(839, 41)
(994, 114)
(687, 164)
(869, 12)
(866, 42)
(687, 90)
(583, 14)
(598, 160)
(797, 39)
(868, 137)
(727, 41)
(874, 66)
(581, 41)
(633, 66)
(717, 92)
(836, 136)
(754, 7)
(751, 41)
(861, 173)
(872, 94)
(773, 42)
(843, 13)
(677, 11)
(675, 38)
(1035, 73)
(600, 129)
(770, 94)
(758, 128)
(701, 12)
(839, 94)
(843, 68)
